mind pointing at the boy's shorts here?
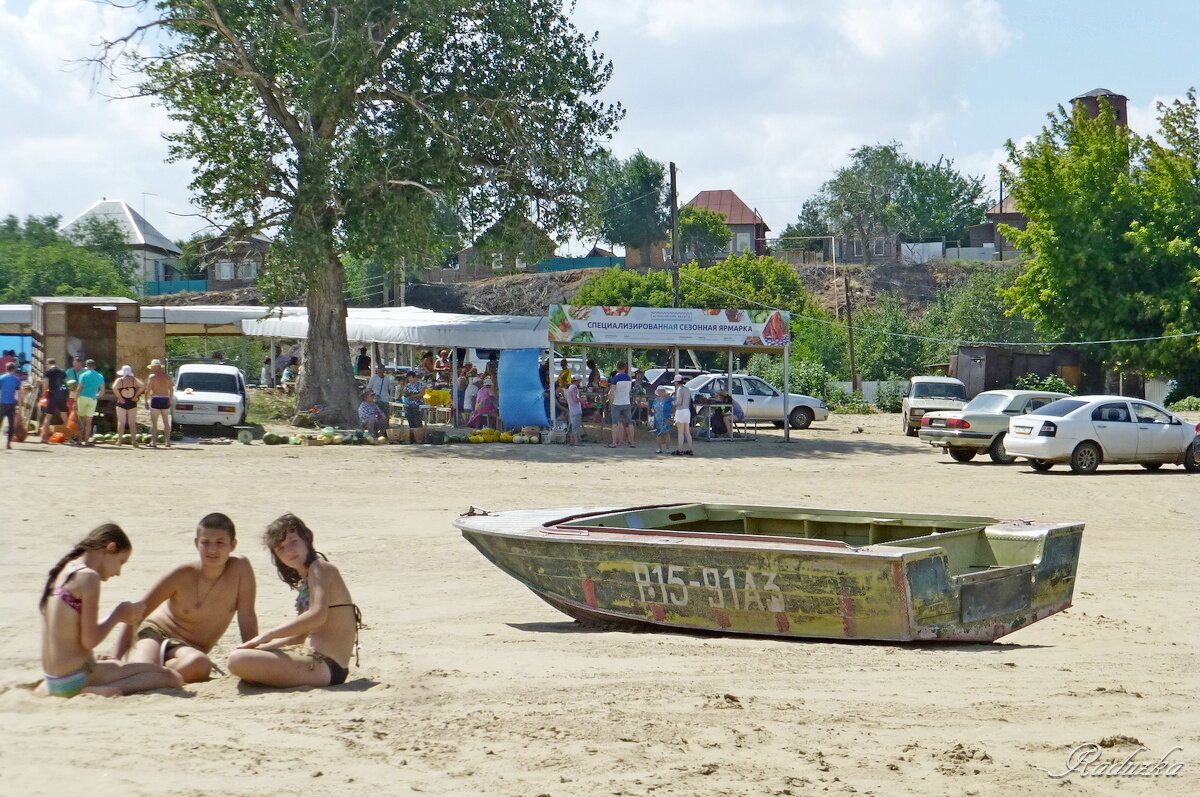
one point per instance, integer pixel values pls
(576, 423)
(85, 407)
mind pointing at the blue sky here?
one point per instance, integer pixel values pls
(765, 97)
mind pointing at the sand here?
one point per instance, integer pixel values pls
(471, 685)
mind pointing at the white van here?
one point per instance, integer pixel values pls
(924, 394)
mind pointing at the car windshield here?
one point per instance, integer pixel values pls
(202, 382)
(988, 402)
(943, 390)
(1060, 408)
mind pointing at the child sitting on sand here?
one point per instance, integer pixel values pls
(70, 606)
(313, 649)
(192, 605)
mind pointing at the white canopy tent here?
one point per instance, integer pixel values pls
(416, 326)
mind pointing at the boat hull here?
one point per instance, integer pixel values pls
(782, 586)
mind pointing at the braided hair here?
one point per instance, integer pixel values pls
(98, 539)
(276, 532)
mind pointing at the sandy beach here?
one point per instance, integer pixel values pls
(469, 684)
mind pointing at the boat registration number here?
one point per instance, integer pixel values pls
(728, 588)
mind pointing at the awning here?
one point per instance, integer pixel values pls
(416, 326)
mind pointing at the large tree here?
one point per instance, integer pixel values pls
(1113, 242)
(633, 198)
(350, 127)
(36, 261)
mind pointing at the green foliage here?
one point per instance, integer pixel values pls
(883, 192)
(633, 198)
(270, 406)
(36, 261)
(703, 233)
(851, 404)
(191, 257)
(889, 396)
(974, 311)
(1113, 242)
(1187, 404)
(1053, 382)
(106, 238)
(887, 351)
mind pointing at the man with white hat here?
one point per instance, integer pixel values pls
(160, 392)
(574, 411)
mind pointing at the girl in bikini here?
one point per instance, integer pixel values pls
(71, 626)
(315, 648)
(127, 388)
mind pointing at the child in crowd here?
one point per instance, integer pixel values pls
(70, 630)
(190, 607)
(314, 649)
(663, 410)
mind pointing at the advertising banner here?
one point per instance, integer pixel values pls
(598, 325)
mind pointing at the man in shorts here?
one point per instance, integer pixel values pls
(160, 392)
(89, 391)
(10, 387)
(621, 407)
(190, 608)
(54, 390)
(574, 412)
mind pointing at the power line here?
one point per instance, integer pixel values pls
(858, 328)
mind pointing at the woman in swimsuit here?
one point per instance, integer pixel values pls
(159, 392)
(127, 389)
(315, 648)
(71, 627)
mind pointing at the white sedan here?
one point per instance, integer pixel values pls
(208, 394)
(761, 402)
(1089, 430)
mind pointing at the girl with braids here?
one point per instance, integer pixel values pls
(70, 627)
(315, 648)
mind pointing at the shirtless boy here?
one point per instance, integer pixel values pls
(190, 608)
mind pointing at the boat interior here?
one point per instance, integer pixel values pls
(969, 546)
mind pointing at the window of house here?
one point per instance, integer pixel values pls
(858, 248)
(743, 242)
(879, 247)
(225, 270)
(247, 270)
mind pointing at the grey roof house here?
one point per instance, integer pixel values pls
(155, 252)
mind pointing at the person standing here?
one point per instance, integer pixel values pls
(383, 386)
(593, 378)
(91, 388)
(620, 408)
(75, 370)
(128, 389)
(160, 391)
(574, 412)
(564, 374)
(469, 396)
(414, 394)
(10, 386)
(683, 417)
(362, 365)
(662, 413)
(54, 387)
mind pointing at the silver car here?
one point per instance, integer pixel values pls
(762, 402)
(982, 425)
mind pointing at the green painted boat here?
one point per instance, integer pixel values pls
(785, 571)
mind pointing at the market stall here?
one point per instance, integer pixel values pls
(734, 331)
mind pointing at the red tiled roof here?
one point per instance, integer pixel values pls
(729, 205)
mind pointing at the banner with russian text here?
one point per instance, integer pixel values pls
(687, 327)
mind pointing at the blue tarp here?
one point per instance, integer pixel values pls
(522, 401)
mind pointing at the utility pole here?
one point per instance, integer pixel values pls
(996, 236)
(854, 385)
(674, 239)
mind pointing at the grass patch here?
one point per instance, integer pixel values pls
(270, 406)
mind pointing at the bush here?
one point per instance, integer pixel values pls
(1187, 404)
(889, 397)
(1053, 383)
(851, 404)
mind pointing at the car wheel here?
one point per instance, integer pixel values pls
(800, 418)
(1086, 458)
(998, 454)
(1041, 465)
(1151, 465)
(1191, 460)
(962, 454)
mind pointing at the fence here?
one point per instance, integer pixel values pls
(156, 288)
(869, 389)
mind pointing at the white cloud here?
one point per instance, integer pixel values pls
(73, 147)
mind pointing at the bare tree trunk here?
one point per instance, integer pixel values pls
(644, 253)
(329, 378)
